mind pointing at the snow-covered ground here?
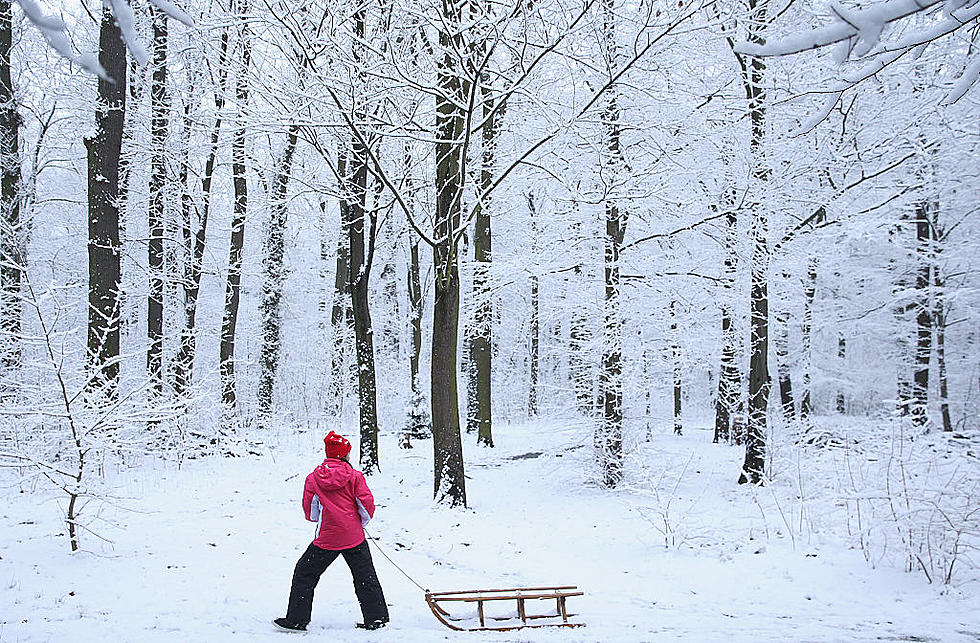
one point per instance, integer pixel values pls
(205, 553)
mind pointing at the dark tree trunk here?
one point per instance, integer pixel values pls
(609, 433)
(675, 352)
(103, 214)
(729, 385)
(362, 235)
(274, 278)
(841, 356)
(12, 255)
(753, 469)
(481, 338)
(415, 312)
(449, 477)
(787, 403)
(159, 108)
(341, 314)
(579, 366)
(229, 322)
(194, 240)
(535, 339)
(809, 292)
(939, 319)
(923, 318)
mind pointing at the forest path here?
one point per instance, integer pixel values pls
(206, 553)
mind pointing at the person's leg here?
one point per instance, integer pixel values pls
(366, 584)
(309, 568)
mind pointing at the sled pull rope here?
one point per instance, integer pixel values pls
(381, 549)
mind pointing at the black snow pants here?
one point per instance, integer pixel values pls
(311, 566)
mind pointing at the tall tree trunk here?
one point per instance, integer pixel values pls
(448, 470)
(841, 356)
(481, 338)
(923, 317)
(12, 256)
(753, 469)
(535, 331)
(809, 292)
(609, 433)
(675, 353)
(781, 341)
(940, 313)
(579, 366)
(341, 314)
(229, 321)
(159, 107)
(362, 235)
(729, 380)
(274, 277)
(195, 240)
(104, 149)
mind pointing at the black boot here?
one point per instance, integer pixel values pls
(286, 626)
(373, 625)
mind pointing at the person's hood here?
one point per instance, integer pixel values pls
(333, 474)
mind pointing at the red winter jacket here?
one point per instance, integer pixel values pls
(336, 496)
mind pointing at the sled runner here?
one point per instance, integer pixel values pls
(486, 618)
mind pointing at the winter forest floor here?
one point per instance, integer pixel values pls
(681, 552)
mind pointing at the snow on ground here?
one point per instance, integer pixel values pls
(682, 553)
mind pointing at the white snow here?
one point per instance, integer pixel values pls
(681, 553)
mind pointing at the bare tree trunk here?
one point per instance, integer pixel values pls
(753, 469)
(809, 292)
(273, 248)
(729, 385)
(481, 340)
(449, 476)
(229, 322)
(104, 149)
(923, 318)
(362, 235)
(159, 107)
(609, 433)
(781, 341)
(841, 356)
(195, 240)
(12, 255)
(675, 353)
(940, 313)
(341, 314)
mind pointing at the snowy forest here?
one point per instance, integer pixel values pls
(707, 264)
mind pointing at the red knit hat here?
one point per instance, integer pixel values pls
(336, 446)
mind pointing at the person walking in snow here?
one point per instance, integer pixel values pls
(337, 497)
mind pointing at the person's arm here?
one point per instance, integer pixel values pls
(311, 504)
(365, 499)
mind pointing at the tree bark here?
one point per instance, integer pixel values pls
(841, 356)
(675, 353)
(923, 318)
(609, 433)
(940, 314)
(104, 150)
(781, 341)
(535, 331)
(12, 255)
(274, 277)
(729, 380)
(806, 341)
(481, 338)
(753, 469)
(229, 322)
(448, 470)
(159, 107)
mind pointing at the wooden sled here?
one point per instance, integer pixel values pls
(439, 602)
